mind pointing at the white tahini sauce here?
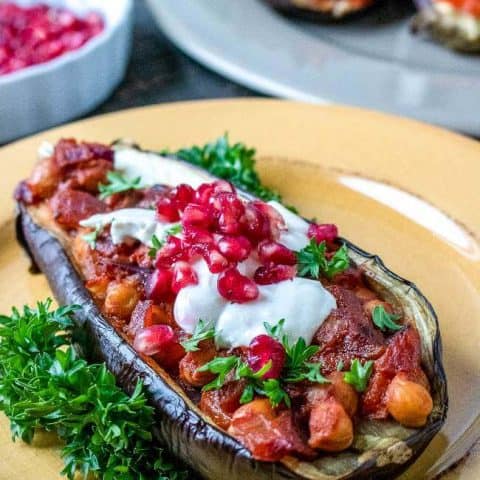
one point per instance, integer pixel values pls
(303, 303)
(127, 223)
(156, 169)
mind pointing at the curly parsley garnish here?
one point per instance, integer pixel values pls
(118, 183)
(312, 260)
(234, 162)
(384, 320)
(359, 375)
(203, 331)
(44, 384)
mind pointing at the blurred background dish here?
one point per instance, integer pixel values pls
(38, 93)
(456, 23)
(322, 9)
(371, 61)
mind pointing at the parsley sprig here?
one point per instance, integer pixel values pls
(297, 369)
(44, 384)
(157, 243)
(234, 162)
(312, 260)
(359, 374)
(203, 331)
(384, 320)
(117, 183)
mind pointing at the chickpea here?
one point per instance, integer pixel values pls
(260, 406)
(409, 403)
(344, 393)
(98, 287)
(369, 306)
(121, 298)
(331, 429)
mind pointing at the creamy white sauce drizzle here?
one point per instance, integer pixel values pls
(156, 169)
(130, 223)
(304, 304)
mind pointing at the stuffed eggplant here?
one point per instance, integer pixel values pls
(271, 347)
(456, 23)
(321, 9)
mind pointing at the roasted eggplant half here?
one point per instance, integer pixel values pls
(270, 347)
(455, 23)
(321, 9)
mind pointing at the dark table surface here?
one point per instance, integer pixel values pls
(159, 72)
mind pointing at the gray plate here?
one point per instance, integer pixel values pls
(370, 61)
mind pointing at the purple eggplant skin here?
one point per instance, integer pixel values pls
(289, 8)
(191, 437)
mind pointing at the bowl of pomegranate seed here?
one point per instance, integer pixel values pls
(59, 59)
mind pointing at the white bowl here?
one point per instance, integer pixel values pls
(66, 87)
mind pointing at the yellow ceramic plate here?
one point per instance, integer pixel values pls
(404, 190)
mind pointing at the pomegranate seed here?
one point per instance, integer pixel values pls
(220, 186)
(196, 215)
(274, 252)
(196, 236)
(215, 260)
(159, 285)
(264, 349)
(167, 210)
(235, 249)
(182, 195)
(171, 251)
(160, 341)
(152, 339)
(40, 33)
(324, 232)
(255, 225)
(235, 287)
(203, 193)
(277, 222)
(269, 274)
(183, 275)
(229, 209)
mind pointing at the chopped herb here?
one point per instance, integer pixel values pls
(233, 162)
(156, 246)
(340, 365)
(384, 320)
(203, 331)
(222, 366)
(275, 331)
(272, 389)
(118, 183)
(359, 375)
(314, 373)
(297, 367)
(338, 263)
(247, 394)
(312, 260)
(91, 237)
(44, 384)
(174, 229)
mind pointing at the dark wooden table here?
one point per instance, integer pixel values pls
(159, 72)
